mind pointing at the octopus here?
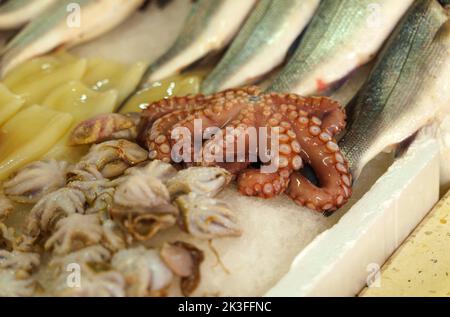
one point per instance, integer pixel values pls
(36, 180)
(151, 271)
(6, 206)
(304, 128)
(206, 218)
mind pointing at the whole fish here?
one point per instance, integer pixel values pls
(341, 36)
(350, 86)
(408, 86)
(262, 44)
(15, 13)
(210, 26)
(66, 23)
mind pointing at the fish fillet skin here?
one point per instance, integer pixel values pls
(342, 36)
(58, 27)
(262, 44)
(407, 88)
(210, 26)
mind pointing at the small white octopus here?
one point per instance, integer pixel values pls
(113, 237)
(142, 205)
(15, 284)
(98, 194)
(145, 272)
(207, 218)
(156, 169)
(7, 237)
(75, 232)
(208, 181)
(112, 158)
(36, 180)
(6, 207)
(94, 254)
(19, 261)
(52, 207)
(149, 272)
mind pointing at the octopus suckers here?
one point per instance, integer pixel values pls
(285, 149)
(339, 158)
(333, 147)
(303, 120)
(160, 139)
(297, 162)
(346, 180)
(341, 168)
(165, 149)
(291, 134)
(293, 115)
(325, 137)
(273, 122)
(316, 121)
(327, 207)
(346, 191)
(283, 162)
(314, 130)
(295, 146)
(268, 189)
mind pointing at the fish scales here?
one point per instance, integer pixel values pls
(401, 94)
(209, 27)
(262, 44)
(342, 36)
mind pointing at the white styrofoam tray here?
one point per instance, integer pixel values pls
(342, 260)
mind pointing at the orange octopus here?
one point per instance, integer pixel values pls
(304, 129)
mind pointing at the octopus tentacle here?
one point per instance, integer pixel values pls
(233, 144)
(330, 112)
(160, 108)
(222, 110)
(252, 182)
(322, 153)
(163, 107)
(105, 127)
(158, 138)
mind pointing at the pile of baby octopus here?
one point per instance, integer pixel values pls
(93, 216)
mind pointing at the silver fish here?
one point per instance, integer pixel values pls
(66, 23)
(350, 86)
(408, 87)
(341, 36)
(262, 44)
(210, 26)
(15, 13)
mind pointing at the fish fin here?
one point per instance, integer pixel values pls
(444, 31)
(402, 147)
(427, 132)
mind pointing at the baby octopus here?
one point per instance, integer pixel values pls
(305, 129)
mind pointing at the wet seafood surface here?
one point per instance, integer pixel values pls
(133, 226)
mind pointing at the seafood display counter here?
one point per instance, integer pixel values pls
(355, 93)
